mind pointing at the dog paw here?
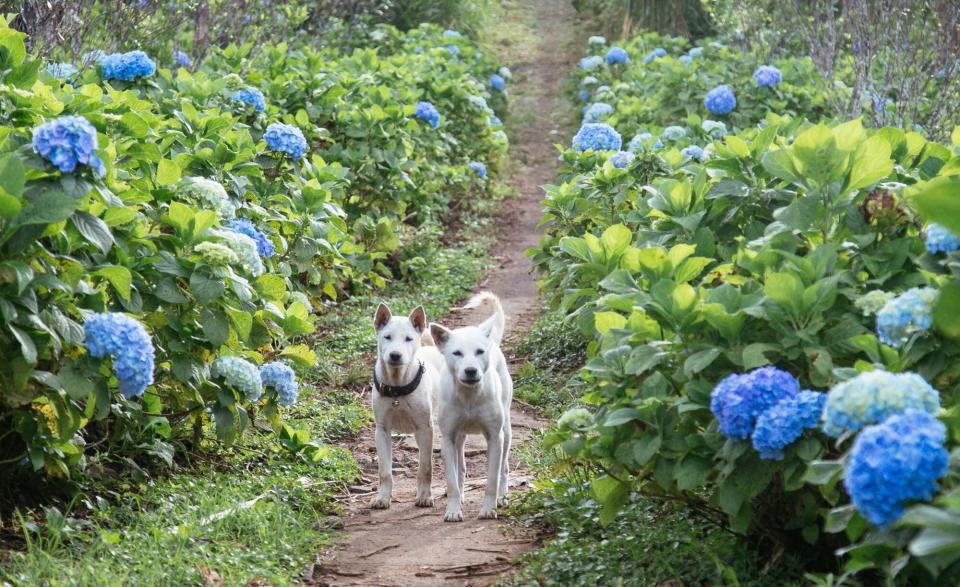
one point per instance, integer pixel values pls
(502, 501)
(425, 501)
(453, 516)
(487, 514)
(380, 502)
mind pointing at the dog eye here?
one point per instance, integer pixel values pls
(387, 337)
(479, 352)
(457, 354)
(408, 339)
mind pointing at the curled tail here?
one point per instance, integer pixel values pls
(494, 325)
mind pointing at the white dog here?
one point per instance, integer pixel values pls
(404, 392)
(475, 395)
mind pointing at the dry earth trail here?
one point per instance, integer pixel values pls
(406, 546)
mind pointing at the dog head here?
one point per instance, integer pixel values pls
(398, 338)
(466, 350)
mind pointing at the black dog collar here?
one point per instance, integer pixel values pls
(399, 390)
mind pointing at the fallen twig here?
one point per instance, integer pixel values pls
(379, 550)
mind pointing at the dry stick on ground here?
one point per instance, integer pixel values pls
(379, 550)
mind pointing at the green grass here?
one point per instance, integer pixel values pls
(137, 526)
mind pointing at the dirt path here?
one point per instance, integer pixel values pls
(409, 546)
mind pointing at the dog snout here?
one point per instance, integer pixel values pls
(470, 372)
(395, 357)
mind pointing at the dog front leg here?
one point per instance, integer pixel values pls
(424, 436)
(504, 483)
(449, 452)
(494, 459)
(385, 465)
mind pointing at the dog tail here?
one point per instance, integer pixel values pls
(426, 339)
(496, 323)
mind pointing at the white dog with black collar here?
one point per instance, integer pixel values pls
(404, 395)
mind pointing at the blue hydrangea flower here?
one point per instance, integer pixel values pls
(287, 139)
(182, 59)
(720, 101)
(589, 81)
(494, 121)
(265, 246)
(210, 193)
(62, 70)
(695, 52)
(673, 133)
(126, 340)
(894, 463)
(497, 82)
(599, 137)
(281, 378)
(617, 55)
(658, 144)
(767, 76)
(782, 424)
(873, 397)
(451, 34)
(910, 312)
(738, 400)
(251, 96)
(66, 142)
(239, 374)
(453, 49)
(594, 112)
(621, 159)
(592, 62)
(596, 40)
(478, 168)
(655, 54)
(941, 240)
(427, 112)
(584, 95)
(127, 66)
(685, 59)
(714, 128)
(244, 247)
(505, 72)
(638, 141)
(694, 152)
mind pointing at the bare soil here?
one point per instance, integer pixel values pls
(407, 546)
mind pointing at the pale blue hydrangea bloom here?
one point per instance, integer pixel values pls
(62, 70)
(505, 72)
(589, 81)
(182, 59)
(940, 239)
(655, 54)
(244, 247)
(639, 140)
(210, 193)
(617, 55)
(894, 463)
(592, 62)
(906, 314)
(714, 128)
(767, 76)
(281, 378)
(873, 301)
(453, 49)
(594, 112)
(598, 137)
(497, 82)
(874, 396)
(478, 168)
(285, 139)
(126, 340)
(239, 374)
(451, 34)
(694, 152)
(621, 159)
(597, 40)
(251, 96)
(575, 418)
(265, 247)
(673, 133)
(695, 52)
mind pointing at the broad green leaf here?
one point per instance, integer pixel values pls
(612, 495)
(871, 162)
(94, 230)
(605, 321)
(49, 207)
(784, 288)
(168, 173)
(616, 239)
(215, 326)
(700, 360)
(119, 277)
(204, 288)
(939, 201)
(301, 355)
(13, 177)
(946, 314)
(621, 416)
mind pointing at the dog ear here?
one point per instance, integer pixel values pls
(419, 319)
(440, 334)
(382, 317)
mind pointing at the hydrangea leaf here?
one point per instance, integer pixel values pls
(168, 173)
(119, 277)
